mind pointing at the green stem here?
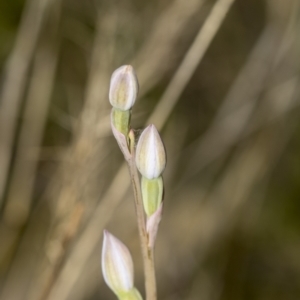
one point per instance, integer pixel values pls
(148, 255)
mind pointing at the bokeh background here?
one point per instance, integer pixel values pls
(219, 78)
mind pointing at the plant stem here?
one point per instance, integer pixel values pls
(148, 254)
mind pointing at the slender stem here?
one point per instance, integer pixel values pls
(148, 254)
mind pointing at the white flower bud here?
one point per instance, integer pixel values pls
(150, 153)
(123, 88)
(117, 265)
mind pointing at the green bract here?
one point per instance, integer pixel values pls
(152, 192)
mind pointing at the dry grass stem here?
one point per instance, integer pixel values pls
(15, 79)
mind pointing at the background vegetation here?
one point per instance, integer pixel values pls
(220, 78)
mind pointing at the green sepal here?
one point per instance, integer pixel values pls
(121, 120)
(133, 294)
(152, 193)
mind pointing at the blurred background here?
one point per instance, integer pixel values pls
(219, 78)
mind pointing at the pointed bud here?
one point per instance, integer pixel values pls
(150, 153)
(117, 265)
(123, 88)
(152, 193)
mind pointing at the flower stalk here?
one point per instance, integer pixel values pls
(150, 160)
(147, 252)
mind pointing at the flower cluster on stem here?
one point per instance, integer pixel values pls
(149, 158)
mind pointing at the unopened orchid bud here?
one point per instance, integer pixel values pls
(117, 265)
(152, 193)
(123, 88)
(150, 153)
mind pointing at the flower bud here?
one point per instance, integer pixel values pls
(117, 265)
(152, 193)
(150, 153)
(123, 88)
